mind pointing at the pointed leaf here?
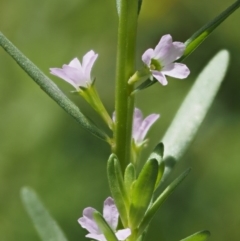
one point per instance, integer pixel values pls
(157, 152)
(161, 169)
(160, 200)
(45, 225)
(144, 85)
(197, 38)
(200, 236)
(104, 227)
(50, 88)
(129, 177)
(117, 188)
(142, 192)
(158, 155)
(193, 110)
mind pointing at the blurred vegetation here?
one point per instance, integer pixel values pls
(42, 147)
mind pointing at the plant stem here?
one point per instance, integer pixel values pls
(124, 103)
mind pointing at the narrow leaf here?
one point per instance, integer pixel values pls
(158, 155)
(120, 180)
(160, 200)
(116, 189)
(142, 192)
(129, 177)
(50, 87)
(200, 236)
(198, 37)
(193, 110)
(161, 169)
(104, 227)
(45, 225)
(157, 152)
(144, 85)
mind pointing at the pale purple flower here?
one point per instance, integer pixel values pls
(75, 73)
(110, 214)
(160, 60)
(141, 126)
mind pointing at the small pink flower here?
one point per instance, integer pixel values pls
(75, 73)
(141, 126)
(110, 214)
(160, 60)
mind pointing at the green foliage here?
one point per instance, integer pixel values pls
(129, 177)
(104, 227)
(200, 236)
(117, 187)
(193, 110)
(196, 39)
(45, 225)
(142, 192)
(50, 88)
(160, 200)
(158, 155)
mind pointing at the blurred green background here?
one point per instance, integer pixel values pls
(44, 148)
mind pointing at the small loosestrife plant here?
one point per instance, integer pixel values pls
(129, 211)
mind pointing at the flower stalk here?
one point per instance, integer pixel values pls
(90, 94)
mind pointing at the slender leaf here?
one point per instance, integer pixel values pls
(160, 200)
(193, 110)
(45, 225)
(129, 177)
(157, 152)
(104, 227)
(50, 87)
(200, 236)
(115, 184)
(196, 39)
(144, 85)
(161, 169)
(142, 192)
(120, 180)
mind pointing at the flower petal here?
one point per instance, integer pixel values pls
(123, 233)
(176, 70)
(88, 60)
(174, 52)
(62, 74)
(162, 49)
(147, 56)
(110, 213)
(160, 77)
(145, 126)
(137, 121)
(75, 63)
(99, 237)
(76, 75)
(88, 222)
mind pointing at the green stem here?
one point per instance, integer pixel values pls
(124, 103)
